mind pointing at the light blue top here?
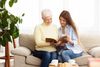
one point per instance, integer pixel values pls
(69, 31)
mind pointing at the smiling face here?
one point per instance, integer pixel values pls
(47, 20)
(62, 21)
(47, 16)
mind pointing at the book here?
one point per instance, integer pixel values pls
(62, 40)
(51, 40)
(58, 44)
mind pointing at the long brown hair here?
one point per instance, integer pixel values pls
(66, 15)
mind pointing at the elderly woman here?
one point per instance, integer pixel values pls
(44, 50)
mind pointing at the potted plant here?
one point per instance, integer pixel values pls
(8, 24)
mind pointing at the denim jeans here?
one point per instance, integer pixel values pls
(68, 54)
(45, 56)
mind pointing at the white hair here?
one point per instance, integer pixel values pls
(45, 13)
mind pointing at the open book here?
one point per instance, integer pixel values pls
(62, 39)
(51, 40)
(58, 44)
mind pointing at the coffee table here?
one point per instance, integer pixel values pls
(66, 64)
(94, 62)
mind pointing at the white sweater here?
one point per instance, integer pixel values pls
(42, 32)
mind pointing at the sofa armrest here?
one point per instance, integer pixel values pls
(95, 51)
(23, 51)
(83, 60)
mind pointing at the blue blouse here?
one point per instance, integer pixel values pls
(69, 31)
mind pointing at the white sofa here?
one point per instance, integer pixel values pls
(24, 58)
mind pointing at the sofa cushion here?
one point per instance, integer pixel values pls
(90, 41)
(33, 60)
(23, 51)
(95, 51)
(83, 60)
(27, 40)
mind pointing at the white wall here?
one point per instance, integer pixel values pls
(31, 18)
(85, 13)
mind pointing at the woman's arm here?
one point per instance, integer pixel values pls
(73, 37)
(38, 38)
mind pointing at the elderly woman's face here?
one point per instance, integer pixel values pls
(47, 19)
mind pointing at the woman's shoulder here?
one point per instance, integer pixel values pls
(38, 26)
(69, 27)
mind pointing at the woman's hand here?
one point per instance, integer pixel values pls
(59, 43)
(53, 44)
(69, 39)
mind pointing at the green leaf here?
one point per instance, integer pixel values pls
(1, 10)
(23, 14)
(2, 3)
(4, 17)
(11, 28)
(11, 17)
(0, 40)
(4, 41)
(14, 19)
(0, 15)
(15, 1)
(6, 38)
(20, 20)
(15, 32)
(5, 14)
(11, 2)
(4, 24)
(0, 23)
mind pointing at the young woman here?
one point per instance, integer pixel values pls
(69, 30)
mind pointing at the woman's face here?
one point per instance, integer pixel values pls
(62, 22)
(47, 20)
